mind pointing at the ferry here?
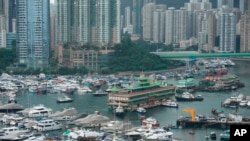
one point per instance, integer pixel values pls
(144, 92)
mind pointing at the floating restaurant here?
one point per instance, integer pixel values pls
(145, 92)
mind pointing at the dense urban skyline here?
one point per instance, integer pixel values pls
(101, 23)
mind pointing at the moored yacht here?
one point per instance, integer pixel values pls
(64, 99)
(170, 103)
(10, 133)
(48, 125)
(186, 96)
(119, 111)
(100, 93)
(150, 121)
(141, 110)
(36, 111)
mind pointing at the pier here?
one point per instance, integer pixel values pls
(187, 123)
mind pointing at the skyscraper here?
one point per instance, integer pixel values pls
(176, 25)
(227, 30)
(88, 21)
(245, 32)
(127, 16)
(33, 33)
(64, 8)
(229, 3)
(211, 30)
(84, 29)
(244, 5)
(52, 26)
(107, 21)
(12, 15)
(136, 16)
(159, 23)
(147, 22)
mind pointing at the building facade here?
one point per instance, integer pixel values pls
(137, 16)
(227, 30)
(229, 3)
(159, 24)
(64, 8)
(245, 32)
(244, 5)
(127, 16)
(176, 25)
(33, 33)
(89, 22)
(147, 22)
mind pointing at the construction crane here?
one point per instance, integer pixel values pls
(191, 111)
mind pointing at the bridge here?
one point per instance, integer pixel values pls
(195, 54)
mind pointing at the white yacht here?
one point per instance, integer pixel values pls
(11, 131)
(64, 99)
(170, 103)
(119, 111)
(82, 90)
(71, 134)
(36, 111)
(141, 110)
(48, 125)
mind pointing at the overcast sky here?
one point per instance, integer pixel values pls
(52, 1)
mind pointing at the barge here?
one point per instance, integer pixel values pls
(144, 92)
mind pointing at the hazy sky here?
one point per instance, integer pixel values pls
(52, 1)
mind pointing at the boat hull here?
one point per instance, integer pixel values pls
(65, 101)
(104, 94)
(178, 98)
(10, 110)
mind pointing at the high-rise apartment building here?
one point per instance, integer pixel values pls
(159, 23)
(176, 25)
(52, 26)
(227, 30)
(84, 29)
(198, 5)
(64, 8)
(147, 22)
(245, 32)
(11, 15)
(229, 3)
(127, 16)
(88, 21)
(211, 30)
(103, 21)
(244, 5)
(4, 15)
(137, 16)
(33, 33)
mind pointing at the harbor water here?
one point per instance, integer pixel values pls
(87, 103)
